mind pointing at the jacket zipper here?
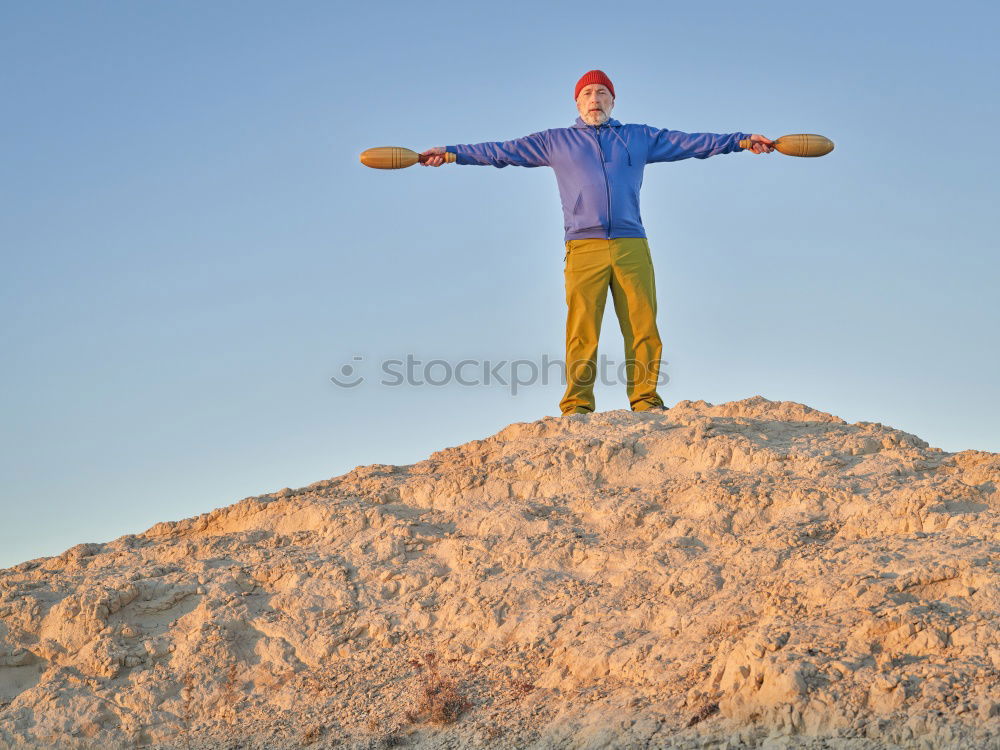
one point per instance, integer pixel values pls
(607, 185)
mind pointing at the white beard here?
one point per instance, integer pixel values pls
(596, 118)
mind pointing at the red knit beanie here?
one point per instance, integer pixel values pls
(593, 76)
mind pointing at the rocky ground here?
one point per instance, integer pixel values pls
(752, 574)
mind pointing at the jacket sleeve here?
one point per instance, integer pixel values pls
(674, 145)
(530, 151)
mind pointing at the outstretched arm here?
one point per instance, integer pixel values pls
(530, 151)
(674, 145)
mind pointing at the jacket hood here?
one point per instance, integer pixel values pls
(581, 124)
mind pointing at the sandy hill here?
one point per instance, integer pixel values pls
(750, 574)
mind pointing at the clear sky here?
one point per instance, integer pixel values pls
(191, 248)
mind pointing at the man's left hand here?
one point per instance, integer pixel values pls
(760, 144)
(435, 156)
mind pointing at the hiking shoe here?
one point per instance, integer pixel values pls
(653, 410)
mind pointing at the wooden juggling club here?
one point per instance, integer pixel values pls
(395, 157)
(799, 144)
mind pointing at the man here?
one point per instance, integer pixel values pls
(598, 164)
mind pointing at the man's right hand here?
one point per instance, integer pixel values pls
(435, 156)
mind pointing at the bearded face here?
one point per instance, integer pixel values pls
(595, 104)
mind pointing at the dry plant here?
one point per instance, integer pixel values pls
(437, 698)
(709, 709)
(312, 734)
(521, 688)
(491, 732)
(229, 697)
(386, 741)
(187, 693)
(384, 737)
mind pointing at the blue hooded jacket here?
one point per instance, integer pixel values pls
(599, 168)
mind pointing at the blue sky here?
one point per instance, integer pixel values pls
(191, 248)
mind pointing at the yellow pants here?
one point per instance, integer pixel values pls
(624, 265)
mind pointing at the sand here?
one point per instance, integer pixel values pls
(751, 574)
